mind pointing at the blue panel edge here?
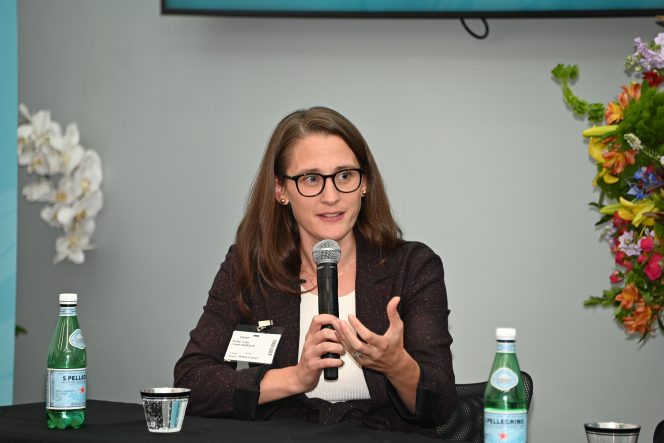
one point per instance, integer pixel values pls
(8, 192)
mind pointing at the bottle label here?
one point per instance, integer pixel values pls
(66, 388)
(505, 426)
(504, 379)
(67, 311)
(76, 339)
(506, 347)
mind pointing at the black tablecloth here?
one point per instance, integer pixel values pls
(109, 422)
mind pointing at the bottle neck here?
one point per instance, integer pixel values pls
(67, 310)
(506, 346)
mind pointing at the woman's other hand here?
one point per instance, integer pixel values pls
(384, 353)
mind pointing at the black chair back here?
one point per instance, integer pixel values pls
(467, 420)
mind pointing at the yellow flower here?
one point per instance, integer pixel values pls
(639, 213)
(595, 150)
(598, 131)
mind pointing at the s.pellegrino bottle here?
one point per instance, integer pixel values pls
(505, 401)
(66, 379)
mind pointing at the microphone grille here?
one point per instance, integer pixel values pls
(326, 251)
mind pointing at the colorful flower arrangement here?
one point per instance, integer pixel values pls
(69, 180)
(629, 152)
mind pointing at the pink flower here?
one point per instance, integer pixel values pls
(623, 260)
(654, 267)
(647, 243)
(641, 258)
(618, 221)
(653, 78)
(615, 277)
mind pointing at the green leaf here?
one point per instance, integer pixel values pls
(565, 74)
(607, 299)
(20, 330)
(604, 219)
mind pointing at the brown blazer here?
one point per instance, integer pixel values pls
(413, 272)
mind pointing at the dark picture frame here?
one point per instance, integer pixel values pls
(414, 8)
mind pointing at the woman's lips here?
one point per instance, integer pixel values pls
(331, 216)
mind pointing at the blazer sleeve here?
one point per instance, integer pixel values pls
(217, 388)
(424, 311)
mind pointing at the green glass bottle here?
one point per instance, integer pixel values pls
(66, 379)
(505, 401)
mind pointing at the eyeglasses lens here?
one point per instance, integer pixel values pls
(345, 181)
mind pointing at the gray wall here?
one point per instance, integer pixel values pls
(482, 160)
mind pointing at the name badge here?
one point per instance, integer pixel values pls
(254, 344)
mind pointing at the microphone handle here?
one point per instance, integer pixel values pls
(328, 303)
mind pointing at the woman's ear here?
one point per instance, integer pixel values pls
(280, 192)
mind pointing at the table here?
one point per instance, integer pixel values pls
(111, 422)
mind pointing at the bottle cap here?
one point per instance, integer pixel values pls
(505, 334)
(68, 298)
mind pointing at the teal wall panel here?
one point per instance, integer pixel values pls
(8, 180)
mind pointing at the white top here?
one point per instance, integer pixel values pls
(505, 334)
(351, 384)
(68, 298)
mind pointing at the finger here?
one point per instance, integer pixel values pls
(326, 335)
(317, 363)
(319, 321)
(329, 347)
(330, 363)
(345, 335)
(362, 331)
(324, 319)
(348, 338)
(392, 313)
(348, 335)
(316, 350)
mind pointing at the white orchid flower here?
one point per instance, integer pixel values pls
(85, 208)
(90, 205)
(69, 148)
(71, 247)
(24, 111)
(89, 174)
(50, 215)
(68, 190)
(65, 216)
(34, 144)
(39, 191)
(77, 199)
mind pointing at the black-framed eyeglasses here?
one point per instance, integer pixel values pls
(312, 184)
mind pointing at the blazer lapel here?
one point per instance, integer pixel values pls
(372, 292)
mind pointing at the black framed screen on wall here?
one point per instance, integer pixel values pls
(415, 8)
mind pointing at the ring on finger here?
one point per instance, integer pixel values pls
(357, 355)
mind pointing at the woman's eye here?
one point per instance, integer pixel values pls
(344, 175)
(310, 180)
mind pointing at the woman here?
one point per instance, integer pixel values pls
(318, 180)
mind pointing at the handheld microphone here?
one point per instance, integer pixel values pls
(326, 256)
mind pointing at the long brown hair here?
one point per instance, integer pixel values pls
(267, 239)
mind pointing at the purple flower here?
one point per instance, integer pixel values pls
(649, 56)
(645, 182)
(628, 245)
(659, 40)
